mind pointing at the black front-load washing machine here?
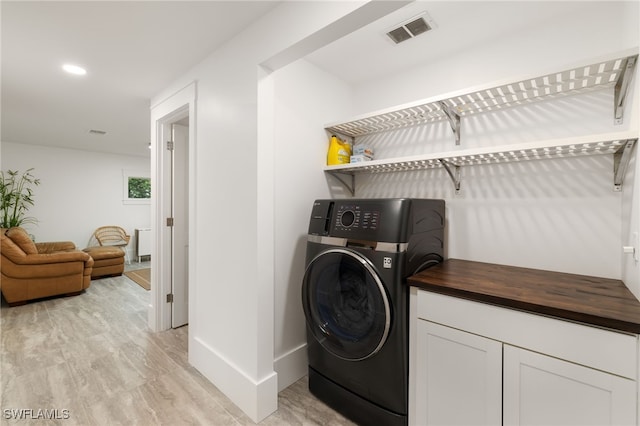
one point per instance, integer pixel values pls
(356, 300)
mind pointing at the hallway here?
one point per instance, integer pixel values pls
(91, 358)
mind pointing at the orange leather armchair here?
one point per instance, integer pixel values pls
(35, 270)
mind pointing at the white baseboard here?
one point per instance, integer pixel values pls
(151, 318)
(256, 398)
(291, 366)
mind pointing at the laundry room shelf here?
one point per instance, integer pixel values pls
(619, 145)
(612, 72)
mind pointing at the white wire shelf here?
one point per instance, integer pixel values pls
(618, 144)
(612, 73)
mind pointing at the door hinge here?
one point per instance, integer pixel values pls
(170, 298)
(170, 145)
(169, 221)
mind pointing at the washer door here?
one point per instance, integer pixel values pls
(346, 305)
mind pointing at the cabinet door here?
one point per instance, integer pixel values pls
(458, 377)
(541, 390)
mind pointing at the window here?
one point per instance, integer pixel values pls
(136, 187)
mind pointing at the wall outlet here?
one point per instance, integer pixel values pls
(633, 249)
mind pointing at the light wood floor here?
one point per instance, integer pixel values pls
(92, 358)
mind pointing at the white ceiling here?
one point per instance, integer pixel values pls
(133, 50)
(369, 54)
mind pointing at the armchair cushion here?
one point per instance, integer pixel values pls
(55, 247)
(21, 239)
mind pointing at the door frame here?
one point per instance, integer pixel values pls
(172, 108)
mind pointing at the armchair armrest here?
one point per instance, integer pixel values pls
(51, 258)
(56, 246)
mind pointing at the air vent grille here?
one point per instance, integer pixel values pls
(409, 30)
(418, 26)
(399, 35)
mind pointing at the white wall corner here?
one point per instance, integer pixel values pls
(257, 398)
(631, 196)
(631, 225)
(291, 366)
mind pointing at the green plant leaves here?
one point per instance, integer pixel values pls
(16, 197)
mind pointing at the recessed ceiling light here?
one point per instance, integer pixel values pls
(74, 69)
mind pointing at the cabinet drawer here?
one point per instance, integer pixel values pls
(598, 348)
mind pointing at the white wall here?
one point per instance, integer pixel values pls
(304, 96)
(232, 329)
(560, 215)
(79, 191)
(591, 30)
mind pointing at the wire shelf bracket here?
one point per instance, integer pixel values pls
(453, 171)
(454, 120)
(621, 160)
(622, 87)
(349, 186)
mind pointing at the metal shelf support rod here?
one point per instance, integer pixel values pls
(453, 171)
(454, 120)
(351, 188)
(621, 160)
(622, 87)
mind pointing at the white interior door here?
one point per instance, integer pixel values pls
(180, 229)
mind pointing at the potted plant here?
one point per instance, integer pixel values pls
(16, 196)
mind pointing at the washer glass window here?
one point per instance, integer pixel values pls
(345, 303)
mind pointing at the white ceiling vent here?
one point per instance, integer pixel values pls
(411, 28)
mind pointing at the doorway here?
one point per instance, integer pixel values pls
(172, 171)
(179, 189)
(174, 193)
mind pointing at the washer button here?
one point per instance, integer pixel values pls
(347, 218)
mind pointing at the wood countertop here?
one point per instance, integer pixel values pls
(595, 301)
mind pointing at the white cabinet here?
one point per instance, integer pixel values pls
(459, 380)
(541, 390)
(473, 363)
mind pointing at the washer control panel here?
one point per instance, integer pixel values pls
(390, 220)
(357, 217)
